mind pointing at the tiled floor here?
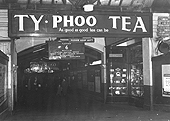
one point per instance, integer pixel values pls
(75, 107)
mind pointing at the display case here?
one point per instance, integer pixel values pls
(118, 81)
(136, 70)
(117, 74)
(125, 74)
(137, 80)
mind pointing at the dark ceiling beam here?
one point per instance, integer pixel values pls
(109, 2)
(52, 2)
(120, 4)
(131, 3)
(40, 1)
(64, 2)
(98, 2)
(29, 1)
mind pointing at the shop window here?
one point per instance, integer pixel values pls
(136, 70)
(118, 80)
(136, 80)
(3, 82)
(117, 54)
(136, 54)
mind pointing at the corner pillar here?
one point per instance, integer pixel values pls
(147, 73)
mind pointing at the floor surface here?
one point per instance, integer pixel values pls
(76, 107)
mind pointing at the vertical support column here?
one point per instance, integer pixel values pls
(11, 88)
(147, 73)
(103, 73)
(15, 73)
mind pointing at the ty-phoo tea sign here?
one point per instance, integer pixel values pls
(73, 24)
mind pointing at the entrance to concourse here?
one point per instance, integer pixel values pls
(39, 78)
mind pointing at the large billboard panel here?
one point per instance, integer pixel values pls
(78, 24)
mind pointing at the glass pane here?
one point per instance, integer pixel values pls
(136, 54)
(118, 80)
(137, 80)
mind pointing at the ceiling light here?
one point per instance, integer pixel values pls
(88, 7)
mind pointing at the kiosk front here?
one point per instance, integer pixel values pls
(125, 74)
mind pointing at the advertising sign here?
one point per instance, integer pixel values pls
(78, 40)
(65, 50)
(77, 24)
(163, 27)
(166, 80)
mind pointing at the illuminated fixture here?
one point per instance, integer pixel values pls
(88, 7)
(130, 42)
(96, 62)
(116, 0)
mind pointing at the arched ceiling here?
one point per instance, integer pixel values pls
(122, 5)
(40, 53)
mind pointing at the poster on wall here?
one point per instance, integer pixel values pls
(166, 80)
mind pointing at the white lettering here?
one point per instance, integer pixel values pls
(21, 21)
(137, 26)
(82, 21)
(114, 19)
(124, 23)
(36, 22)
(56, 19)
(68, 21)
(94, 21)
